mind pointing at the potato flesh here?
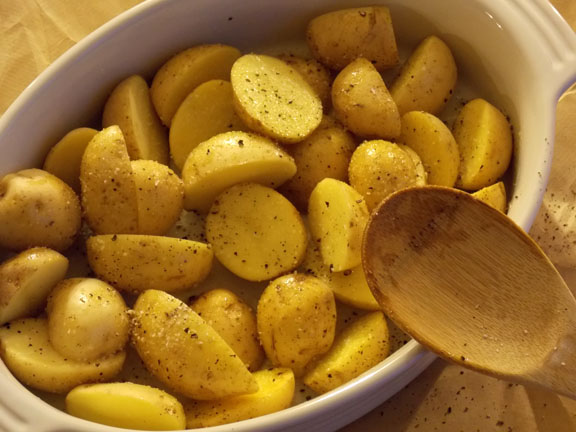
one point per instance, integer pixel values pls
(315, 74)
(126, 405)
(184, 352)
(493, 195)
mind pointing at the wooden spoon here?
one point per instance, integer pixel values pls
(466, 282)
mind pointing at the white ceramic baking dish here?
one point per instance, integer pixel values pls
(518, 53)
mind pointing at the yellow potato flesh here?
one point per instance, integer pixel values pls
(493, 195)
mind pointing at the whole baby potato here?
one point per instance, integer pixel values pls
(87, 319)
(296, 320)
(37, 209)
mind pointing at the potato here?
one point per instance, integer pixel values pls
(427, 79)
(231, 158)
(109, 197)
(126, 405)
(315, 74)
(493, 195)
(256, 233)
(185, 71)
(160, 194)
(273, 99)
(130, 107)
(207, 111)
(184, 352)
(37, 209)
(87, 319)
(349, 287)
(435, 145)
(235, 321)
(337, 215)
(337, 38)
(275, 393)
(135, 263)
(379, 168)
(421, 174)
(325, 153)
(28, 354)
(485, 142)
(362, 102)
(26, 281)
(296, 320)
(64, 158)
(360, 346)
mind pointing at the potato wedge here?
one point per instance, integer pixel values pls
(109, 197)
(87, 319)
(435, 145)
(337, 215)
(485, 142)
(37, 209)
(337, 38)
(64, 158)
(184, 352)
(126, 405)
(325, 153)
(207, 111)
(421, 174)
(362, 102)
(235, 321)
(231, 158)
(360, 346)
(378, 168)
(185, 71)
(275, 393)
(256, 233)
(296, 320)
(315, 74)
(427, 79)
(160, 194)
(27, 279)
(135, 263)
(493, 195)
(129, 106)
(28, 354)
(272, 98)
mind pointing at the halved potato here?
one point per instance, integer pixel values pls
(231, 158)
(272, 98)
(493, 195)
(315, 74)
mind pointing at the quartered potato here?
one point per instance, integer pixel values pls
(379, 168)
(296, 320)
(37, 209)
(109, 197)
(64, 158)
(231, 158)
(235, 321)
(435, 145)
(87, 319)
(207, 111)
(160, 194)
(184, 352)
(27, 279)
(129, 106)
(339, 37)
(337, 215)
(187, 70)
(28, 353)
(362, 102)
(126, 405)
(272, 98)
(360, 346)
(135, 263)
(325, 153)
(493, 195)
(256, 233)
(315, 74)
(427, 80)
(275, 393)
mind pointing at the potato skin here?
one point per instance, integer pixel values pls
(337, 38)
(296, 320)
(37, 209)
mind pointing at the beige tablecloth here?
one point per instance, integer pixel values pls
(448, 398)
